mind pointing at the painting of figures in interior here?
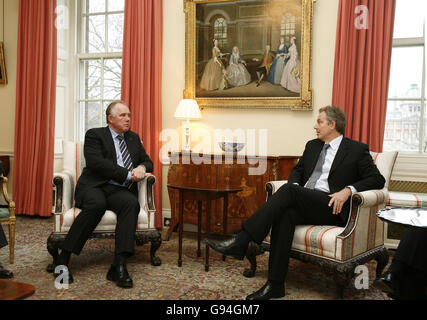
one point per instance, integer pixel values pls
(249, 48)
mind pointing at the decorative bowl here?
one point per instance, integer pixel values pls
(231, 146)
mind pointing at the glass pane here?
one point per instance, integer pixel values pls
(402, 127)
(115, 32)
(95, 6)
(95, 34)
(90, 87)
(112, 79)
(409, 18)
(104, 109)
(92, 114)
(406, 72)
(116, 5)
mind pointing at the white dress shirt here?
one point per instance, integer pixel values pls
(322, 184)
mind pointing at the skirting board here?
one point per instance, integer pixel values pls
(166, 214)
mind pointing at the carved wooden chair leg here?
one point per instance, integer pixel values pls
(342, 281)
(251, 254)
(155, 244)
(52, 248)
(382, 260)
(12, 242)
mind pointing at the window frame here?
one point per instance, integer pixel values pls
(407, 43)
(288, 26)
(81, 56)
(223, 40)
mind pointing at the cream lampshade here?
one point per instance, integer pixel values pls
(187, 110)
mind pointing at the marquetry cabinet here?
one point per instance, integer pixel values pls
(226, 170)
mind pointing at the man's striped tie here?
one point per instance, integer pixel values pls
(127, 161)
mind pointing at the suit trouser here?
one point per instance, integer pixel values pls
(410, 264)
(3, 240)
(289, 206)
(412, 249)
(95, 202)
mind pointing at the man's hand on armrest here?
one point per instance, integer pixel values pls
(139, 173)
(339, 198)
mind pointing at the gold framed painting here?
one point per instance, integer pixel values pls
(249, 53)
(3, 74)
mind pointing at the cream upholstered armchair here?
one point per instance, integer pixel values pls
(338, 251)
(64, 183)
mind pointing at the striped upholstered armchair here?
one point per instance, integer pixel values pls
(65, 213)
(340, 250)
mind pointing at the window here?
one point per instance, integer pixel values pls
(100, 60)
(406, 119)
(287, 29)
(220, 32)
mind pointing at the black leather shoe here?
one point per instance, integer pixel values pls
(5, 274)
(62, 273)
(120, 276)
(227, 247)
(268, 291)
(386, 283)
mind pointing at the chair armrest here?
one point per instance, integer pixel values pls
(272, 186)
(11, 204)
(146, 197)
(63, 186)
(372, 198)
(364, 206)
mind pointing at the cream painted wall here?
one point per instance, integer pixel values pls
(288, 131)
(8, 92)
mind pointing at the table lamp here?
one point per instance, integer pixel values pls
(188, 109)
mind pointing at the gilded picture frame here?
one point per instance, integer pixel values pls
(246, 32)
(3, 74)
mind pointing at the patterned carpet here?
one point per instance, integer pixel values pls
(224, 281)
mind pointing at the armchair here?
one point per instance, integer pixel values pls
(7, 215)
(338, 251)
(64, 183)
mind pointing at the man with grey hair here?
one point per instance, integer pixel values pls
(318, 192)
(115, 162)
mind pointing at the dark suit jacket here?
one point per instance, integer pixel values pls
(101, 160)
(353, 165)
(3, 240)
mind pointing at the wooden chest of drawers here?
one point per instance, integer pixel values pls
(196, 170)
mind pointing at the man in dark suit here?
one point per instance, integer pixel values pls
(406, 278)
(115, 162)
(4, 274)
(318, 192)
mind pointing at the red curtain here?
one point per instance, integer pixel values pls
(362, 67)
(142, 79)
(35, 108)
